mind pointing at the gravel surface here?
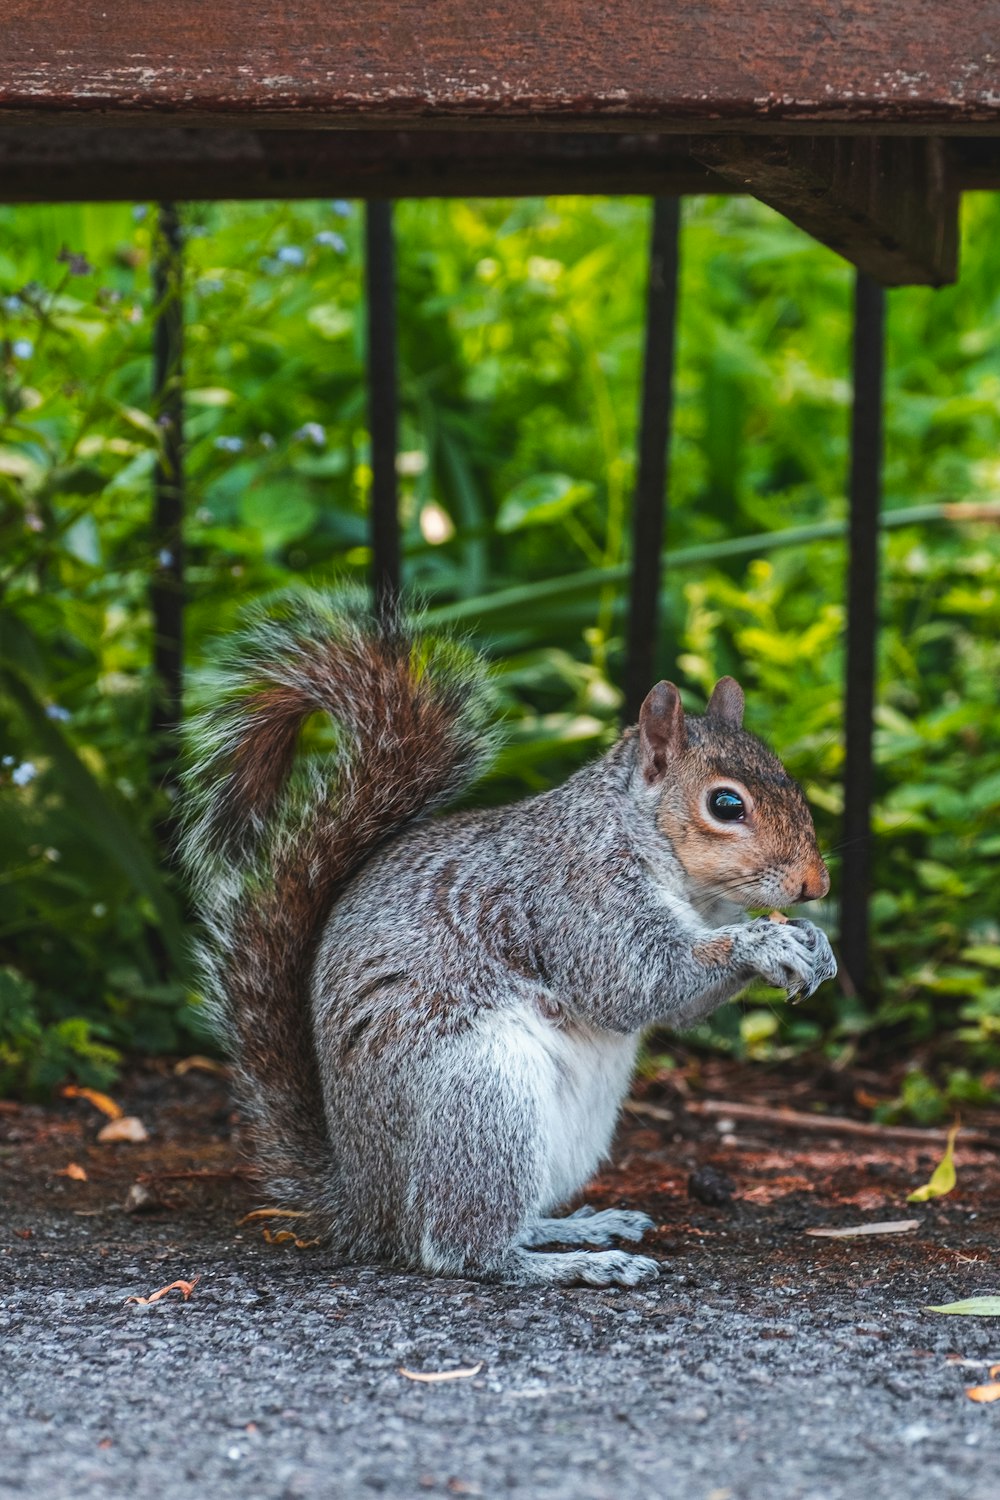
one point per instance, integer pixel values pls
(766, 1364)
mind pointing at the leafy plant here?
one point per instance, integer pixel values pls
(520, 342)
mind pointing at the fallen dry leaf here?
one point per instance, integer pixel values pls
(203, 1064)
(124, 1128)
(849, 1231)
(984, 1393)
(971, 1307)
(74, 1170)
(99, 1101)
(282, 1236)
(943, 1178)
(184, 1287)
(434, 1377)
(272, 1213)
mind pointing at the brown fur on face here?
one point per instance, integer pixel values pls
(771, 857)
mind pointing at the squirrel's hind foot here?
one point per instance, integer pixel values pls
(580, 1268)
(588, 1227)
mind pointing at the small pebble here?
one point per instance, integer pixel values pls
(142, 1199)
(709, 1185)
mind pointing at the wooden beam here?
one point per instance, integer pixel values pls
(802, 65)
(84, 162)
(887, 204)
(977, 163)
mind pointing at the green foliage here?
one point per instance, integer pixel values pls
(520, 345)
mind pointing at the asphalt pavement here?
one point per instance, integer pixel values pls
(765, 1364)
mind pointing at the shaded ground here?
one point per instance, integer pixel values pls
(766, 1365)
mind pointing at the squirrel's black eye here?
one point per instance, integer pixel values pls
(727, 805)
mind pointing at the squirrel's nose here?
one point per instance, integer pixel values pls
(816, 883)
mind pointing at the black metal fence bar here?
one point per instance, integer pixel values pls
(167, 585)
(650, 506)
(862, 624)
(383, 399)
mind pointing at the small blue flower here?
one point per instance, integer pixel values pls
(229, 444)
(165, 558)
(331, 240)
(60, 715)
(209, 284)
(292, 255)
(139, 212)
(311, 432)
(22, 348)
(23, 773)
(342, 208)
(12, 304)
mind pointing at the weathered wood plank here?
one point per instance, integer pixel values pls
(668, 64)
(889, 205)
(977, 163)
(83, 162)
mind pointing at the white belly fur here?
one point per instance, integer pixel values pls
(579, 1078)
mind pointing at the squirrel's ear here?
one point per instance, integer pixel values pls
(726, 703)
(662, 736)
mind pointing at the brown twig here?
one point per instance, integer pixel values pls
(972, 510)
(795, 1119)
(195, 1174)
(649, 1111)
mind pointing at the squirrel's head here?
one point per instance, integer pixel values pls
(737, 822)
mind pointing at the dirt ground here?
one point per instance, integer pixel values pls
(767, 1364)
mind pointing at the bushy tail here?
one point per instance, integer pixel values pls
(271, 836)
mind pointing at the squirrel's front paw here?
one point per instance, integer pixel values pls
(793, 956)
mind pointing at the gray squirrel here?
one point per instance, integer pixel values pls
(434, 1021)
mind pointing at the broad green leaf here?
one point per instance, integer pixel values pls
(938, 877)
(19, 647)
(329, 320)
(540, 500)
(78, 478)
(987, 954)
(209, 395)
(106, 824)
(82, 540)
(972, 1307)
(279, 512)
(758, 1026)
(142, 422)
(943, 1178)
(20, 465)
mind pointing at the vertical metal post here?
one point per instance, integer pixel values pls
(167, 587)
(862, 624)
(383, 400)
(649, 511)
